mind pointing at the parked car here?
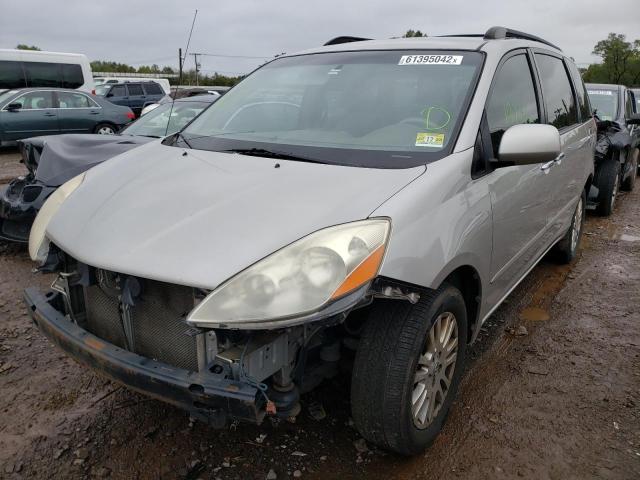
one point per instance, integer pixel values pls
(617, 148)
(53, 160)
(35, 69)
(372, 201)
(29, 112)
(163, 82)
(179, 95)
(135, 95)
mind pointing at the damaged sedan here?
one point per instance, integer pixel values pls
(368, 203)
(54, 159)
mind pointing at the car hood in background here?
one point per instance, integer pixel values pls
(62, 157)
(196, 218)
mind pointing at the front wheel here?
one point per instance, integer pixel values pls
(607, 179)
(105, 129)
(407, 369)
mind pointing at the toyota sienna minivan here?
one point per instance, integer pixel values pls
(368, 203)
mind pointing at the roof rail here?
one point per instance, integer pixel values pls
(345, 39)
(500, 33)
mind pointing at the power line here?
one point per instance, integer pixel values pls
(231, 56)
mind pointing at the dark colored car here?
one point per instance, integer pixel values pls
(52, 160)
(135, 95)
(29, 112)
(617, 145)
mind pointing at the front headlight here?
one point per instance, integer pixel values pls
(38, 242)
(299, 279)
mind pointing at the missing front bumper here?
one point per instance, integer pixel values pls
(206, 397)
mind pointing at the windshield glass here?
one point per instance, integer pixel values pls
(388, 109)
(604, 102)
(6, 94)
(102, 89)
(154, 123)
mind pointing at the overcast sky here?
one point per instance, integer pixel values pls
(141, 32)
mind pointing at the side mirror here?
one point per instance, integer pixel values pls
(634, 119)
(109, 95)
(529, 144)
(14, 107)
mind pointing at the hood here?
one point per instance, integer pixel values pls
(62, 157)
(196, 218)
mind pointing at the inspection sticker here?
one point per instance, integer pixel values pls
(430, 60)
(435, 140)
(600, 92)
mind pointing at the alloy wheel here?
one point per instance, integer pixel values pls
(577, 225)
(106, 131)
(614, 192)
(436, 367)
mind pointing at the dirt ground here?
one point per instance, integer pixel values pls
(551, 391)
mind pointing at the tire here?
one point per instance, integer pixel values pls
(105, 129)
(630, 181)
(384, 373)
(567, 247)
(607, 179)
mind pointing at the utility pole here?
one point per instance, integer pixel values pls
(195, 59)
(180, 63)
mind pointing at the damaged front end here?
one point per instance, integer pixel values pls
(135, 331)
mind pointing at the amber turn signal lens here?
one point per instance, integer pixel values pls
(363, 273)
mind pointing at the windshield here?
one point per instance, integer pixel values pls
(154, 123)
(5, 94)
(604, 102)
(387, 109)
(102, 89)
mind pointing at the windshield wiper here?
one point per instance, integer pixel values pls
(263, 152)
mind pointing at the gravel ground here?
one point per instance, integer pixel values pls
(551, 390)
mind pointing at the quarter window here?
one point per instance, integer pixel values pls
(557, 92)
(74, 100)
(135, 90)
(153, 89)
(72, 76)
(35, 100)
(513, 99)
(583, 98)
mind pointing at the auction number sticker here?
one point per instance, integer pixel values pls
(435, 140)
(600, 92)
(430, 60)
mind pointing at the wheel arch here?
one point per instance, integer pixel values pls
(467, 279)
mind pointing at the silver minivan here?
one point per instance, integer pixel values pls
(367, 203)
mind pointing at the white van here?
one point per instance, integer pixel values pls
(163, 82)
(28, 68)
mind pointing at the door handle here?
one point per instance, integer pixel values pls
(49, 114)
(558, 159)
(94, 113)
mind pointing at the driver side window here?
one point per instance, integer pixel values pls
(513, 99)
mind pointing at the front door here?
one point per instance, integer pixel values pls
(35, 117)
(77, 113)
(520, 195)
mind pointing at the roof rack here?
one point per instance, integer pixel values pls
(345, 39)
(500, 33)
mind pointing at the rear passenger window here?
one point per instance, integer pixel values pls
(557, 92)
(41, 74)
(153, 89)
(11, 75)
(584, 105)
(72, 76)
(135, 90)
(118, 91)
(513, 99)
